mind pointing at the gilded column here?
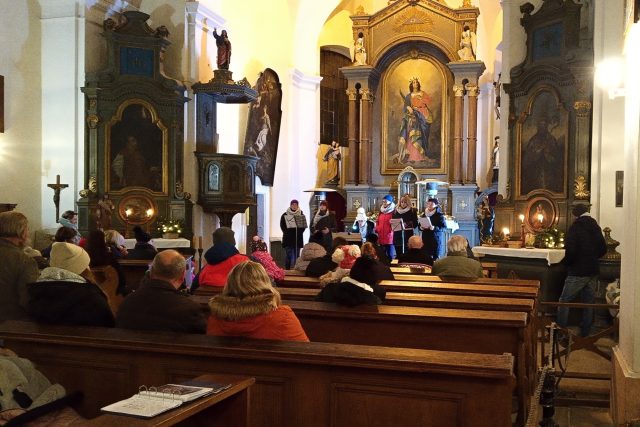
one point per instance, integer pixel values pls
(583, 163)
(353, 154)
(458, 91)
(472, 133)
(365, 136)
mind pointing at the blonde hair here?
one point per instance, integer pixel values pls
(13, 224)
(457, 243)
(369, 250)
(112, 236)
(406, 199)
(249, 279)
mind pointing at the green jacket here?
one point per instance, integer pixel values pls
(456, 264)
(16, 270)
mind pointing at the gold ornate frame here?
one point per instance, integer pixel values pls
(155, 119)
(550, 210)
(524, 116)
(444, 116)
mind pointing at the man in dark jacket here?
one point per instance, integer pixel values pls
(143, 249)
(293, 223)
(158, 305)
(415, 254)
(584, 245)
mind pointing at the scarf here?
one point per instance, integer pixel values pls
(403, 210)
(390, 207)
(427, 212)
(319, 216)
(295, 219)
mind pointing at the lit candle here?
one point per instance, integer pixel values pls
(128, 212)
(149, 213)
(540, 217)
(505, 231)
(521, 216)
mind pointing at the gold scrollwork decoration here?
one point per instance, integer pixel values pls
(458, 90)
(367, 95)
(93, 120)
(412, 21)
(583, 108)
(580, 190)
(352, 94)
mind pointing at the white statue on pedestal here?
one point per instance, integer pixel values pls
(359, 52)
(467, 50)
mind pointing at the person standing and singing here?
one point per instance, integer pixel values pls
(292, 223)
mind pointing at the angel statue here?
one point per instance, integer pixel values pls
(467, 50)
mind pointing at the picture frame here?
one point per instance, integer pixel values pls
(404, 142)
(540, 205)
(136, 149)
(542, 148)
(619, 188)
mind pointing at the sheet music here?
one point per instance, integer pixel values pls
(396, 224)
(425, 222)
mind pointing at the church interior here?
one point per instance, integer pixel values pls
(215, 113)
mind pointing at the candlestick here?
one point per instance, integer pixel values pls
(522, 236)
(199, 242)
(521, 216)
(195, 242)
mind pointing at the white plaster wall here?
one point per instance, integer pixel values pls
(62, 73)
(608, 122)
(21, 144)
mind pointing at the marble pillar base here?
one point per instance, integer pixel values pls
(625, 389)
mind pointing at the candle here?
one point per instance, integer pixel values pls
(540, 217)
(149, 213)
(195, 241)
(199, 242)
(521, 216)
(505, 231)
(128, 212)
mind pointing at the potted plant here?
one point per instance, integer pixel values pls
(170, 228)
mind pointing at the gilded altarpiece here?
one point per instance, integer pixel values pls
(134, 131)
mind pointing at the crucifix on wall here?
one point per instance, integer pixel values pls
(57, 187)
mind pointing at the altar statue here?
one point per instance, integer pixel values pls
(468, 49)
(224, 49)
(359, 53)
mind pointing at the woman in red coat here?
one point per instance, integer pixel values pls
(383, 226)
(249, 306)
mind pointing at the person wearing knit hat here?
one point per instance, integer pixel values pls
(69, 219)
(224, 234)
(260, 254)
(362, 225)
(584, 244)
(383, 226)
(143, 248)
(345, 256)
(359, 287)
(433, 235)
(66, 293)
(325, 220)
(293, 224)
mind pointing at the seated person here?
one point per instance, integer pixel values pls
(382, 271)
(416, 254)
(69, 219)
(250, 306)
(319, 266)
(221, 257)
(143, 249)
(116, 244)
(63, 234)
(310, 251)
(158, 305)
(344, 256)
(360, 287)
(37, 256)
(101, 255)
(260, 254)
(66, 293)
(382, 254)
(456, 263)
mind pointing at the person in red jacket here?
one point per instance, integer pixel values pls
(221, 258)
(383, 226)
(249, 306)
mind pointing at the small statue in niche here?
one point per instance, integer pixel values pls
(104, 210)
(495, 160)
(333, 157)
(360, 53)
(486, 217)
(467, 50)
(224, 49)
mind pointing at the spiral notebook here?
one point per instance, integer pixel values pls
(152, 401)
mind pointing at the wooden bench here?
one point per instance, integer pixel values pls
(311, 384)
(410, 277)
(439, 287)
(134, 270)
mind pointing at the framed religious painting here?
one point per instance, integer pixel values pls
(414, 120)
(136, 149)
(541, 145)
(541, 213)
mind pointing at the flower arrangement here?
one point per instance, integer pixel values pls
(164, 225)
(550, 238)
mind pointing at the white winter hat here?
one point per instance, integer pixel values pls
(361, 215)
(69, 257)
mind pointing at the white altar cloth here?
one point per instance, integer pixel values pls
(553, 256)
(161, 243)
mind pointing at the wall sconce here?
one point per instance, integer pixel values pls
(609, 76)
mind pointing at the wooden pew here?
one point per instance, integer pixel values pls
(409, 277)
(107, 278)
(439, 287)
(419, 300)
(310, 384)
(134, 270)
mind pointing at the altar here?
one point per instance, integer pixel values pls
(528, 263)
(179, 243)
